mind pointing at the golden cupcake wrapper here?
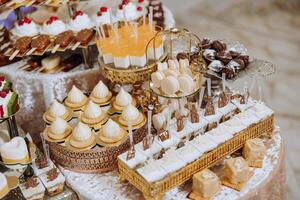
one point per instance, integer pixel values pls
(101, 119)
(134, 123)
(49, 118)
(104, 101)
(134, 126)
(104, 141)
(76, 106)
(91, 143)
(51, 137)
(4, 191)
(8, 161)
(12, 181)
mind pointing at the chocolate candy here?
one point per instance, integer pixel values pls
(218, 46)
(216, 66)
(245, 58)
(209, 54)
(41, 42)
(84, 36)
(182, 56)
(206, 43)
(22, 44)
(64, 39)
(223, 56)
(71, 62)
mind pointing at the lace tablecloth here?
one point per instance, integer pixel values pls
(267, 182)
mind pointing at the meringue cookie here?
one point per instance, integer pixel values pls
(111, 129)
(82, 132)
(186, 84)
(92, 110)
(158, 121)
(100, 90)
(173, 64)
(156, 78)
(58, 127)
(57, 109)
(123, 98)
(170, 85)
(75, 95)
(162, 66)
(130, 113)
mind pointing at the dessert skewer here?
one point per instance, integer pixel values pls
(223, 99)
(201, 95)
(21, 46)
(63, 40)
(148, 139)
(209, 108)
(131, 150)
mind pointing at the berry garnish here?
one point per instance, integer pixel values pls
(141, 1)
(99, 13)
(3, 94)
(124, 2)
(77, 13)
(120, 7)
(20, 23)
(2, 78)
(139, 8)
(103, 9)
(53, 18)
(27, 20)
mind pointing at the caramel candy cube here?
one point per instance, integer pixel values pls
(254, 150)
(205, 184)
(236, 170)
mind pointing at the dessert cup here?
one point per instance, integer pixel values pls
(32, 189)
(3, 185)
(54, 181)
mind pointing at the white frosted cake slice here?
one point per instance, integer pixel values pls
(261, 111)
(186, 131)
(197, 127)
(170, 162)
(53, 180)
(188, 153)
(172, 141)
(233, 126)
(41, 166)
(247, 118)
(154, 148)
(204, 143)
(32, 189)
(243, 107)
(132, 163)
(228, 109)
(152, 171)
(219, 135)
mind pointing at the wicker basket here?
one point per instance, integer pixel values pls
(156, 190)
(101, 159)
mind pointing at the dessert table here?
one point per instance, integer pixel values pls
(267, 183)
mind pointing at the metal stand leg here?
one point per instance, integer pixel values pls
(12, 127)
(87, 57)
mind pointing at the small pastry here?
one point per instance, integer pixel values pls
(111, 132)
(53, 26)
(159, 121)
(122, 100)
(186, 84)
(156, 78)
(42, 165)
(130, 10)
(102, 17)
(101, 94)
(254, 150)
(162, 66)
(82, 136)
(93, 114)
(59, 129)
(3, 185)
(170, 85)
(76, 99)
(236, 170)
(131, 114)
(25, 27)
(57, 110)
(80, 21)
(32, 189)
(15, 151)
(173, 64)
(54, 181)
(51, 62)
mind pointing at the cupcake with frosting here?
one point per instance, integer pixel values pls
(101, 94)
(93, 114)
(80, 21)
(122, 100)
(82, 136)
(59, 129)
(4, 189)
(130, 10)
(111, 132)
(131, 114)
(25, 27)
(53, 26)
(57, 110)
(76, 99)
(102, 17)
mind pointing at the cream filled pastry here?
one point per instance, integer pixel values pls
(15, 151)
(93, 114)
(59, 129)
(53, 26)
(111, 132)
(156, 78)
(122, 100)
(131, 114)
(80, 21)
(76, 98)
(186, 83)
(25, 27)
(3, 185)
(82, 136)
(100, 93)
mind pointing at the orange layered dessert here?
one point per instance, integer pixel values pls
(126, 45)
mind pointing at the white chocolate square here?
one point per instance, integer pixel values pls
(188, 153)
(132, 163)
(247, 118)
(152, 172)
(261, 111)
(219, 135)
(203, 143)
(154, 148)
(233, 126)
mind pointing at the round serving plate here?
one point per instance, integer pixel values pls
(97, 159)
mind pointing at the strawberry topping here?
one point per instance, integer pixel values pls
(99, 13)
(3, 94)
(2, 78)
(27, 20)
(103, 9)
(77, 13)
(124, 2)
(141, 1)
(120, 7)
(139, 8)
(1, 111)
